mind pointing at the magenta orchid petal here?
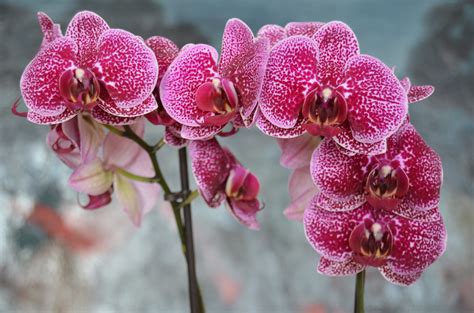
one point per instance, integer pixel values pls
(377, 101)
(399, 279)
(40, 91)
(346, 140)
(245, 212)
(333, 268)
(96, 202)
(291, 70)
(419, 93)
(406, 83)
(194, 66)
(334, 205)
(307, 29)
(108, 105)
(301, 190)
(271, 130)
(39, 119)
(199, 133)
(210, 165)
(274, 33)
(129, 198)
(424, 237)
(51, 31)
(91, 138)
(85, 29)
(165, 52)
(336, 43)
(126, 66)
(103, 117)
(173, 137)
(337, 175)
(329, 232)
(421, 164)
(91, 178)
(297, 152)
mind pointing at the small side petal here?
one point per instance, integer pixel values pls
(297, 152)
(51, 31)
(274, 33)
(307, 29)
(126, 66)
(245, 212)
(291, 71)
(419, 93)
(301, 190)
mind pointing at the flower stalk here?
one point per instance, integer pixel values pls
(359, 293)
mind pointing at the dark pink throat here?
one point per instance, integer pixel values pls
(80, 88)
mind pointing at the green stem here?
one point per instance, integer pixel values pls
(193, 195)
(135, 177)
(359, 293)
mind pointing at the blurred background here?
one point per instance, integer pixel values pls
(54, 257)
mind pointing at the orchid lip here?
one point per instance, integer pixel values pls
(325, 109)
(80, 88)
(385, 186)
(371, 242)
(218, 99)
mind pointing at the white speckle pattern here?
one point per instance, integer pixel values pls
(334, 268)
(271, 130)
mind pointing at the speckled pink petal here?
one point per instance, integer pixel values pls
(274, 33)
(147, 106)
(51, 31)
(200, 133)
(245, 212)
(126, 66)
(85, 29)
(419, 93)
(36, 118)
(103, 117)
(297, 152)
(210, 165)
(421, 164)
(271, 130)
(40, 80)
(307, 29)
(399, 279)
(337, 175)
(237, 43)
(165, 52)
(194, 66)
(173, 137)
(376, 99)
(334, 205)
(417, 243)
(346, 140)
(406, 83)
(291, 71)
(329, 232)
(334, 268)
(302, 190)
(336, 43)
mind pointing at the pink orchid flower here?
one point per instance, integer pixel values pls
(93, 68)
(101, 174)
(276, 33)
(322, 85)
(405, 180)
(350, 241)
(220, 177)
(204, 94)
(296, 155)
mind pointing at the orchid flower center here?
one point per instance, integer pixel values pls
(80, 88)
(325, 109)
(241, 184)
(371, 242)
(218, 99)
(385, 186)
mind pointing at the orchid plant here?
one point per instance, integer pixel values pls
(364, 183)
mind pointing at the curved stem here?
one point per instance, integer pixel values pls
(136, 177)
(359, 293)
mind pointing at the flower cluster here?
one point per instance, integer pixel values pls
(364, 181)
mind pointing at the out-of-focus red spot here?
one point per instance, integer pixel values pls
(228, 288)
(314, 308)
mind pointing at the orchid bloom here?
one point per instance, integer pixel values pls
(101, 174)
(220, 177)
(204, 94)
(296, 155)
(406, 179)
(108, 72)
(350, 241)
(276, 33)
(322, 85)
